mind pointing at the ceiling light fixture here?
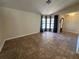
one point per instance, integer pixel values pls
(48, 1)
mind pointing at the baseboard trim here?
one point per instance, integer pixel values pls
(3, 42)
(70, 32)
(21, 36)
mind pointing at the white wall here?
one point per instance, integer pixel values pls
(1, 32)
(0, 27)
(71, 23)
(16, 23)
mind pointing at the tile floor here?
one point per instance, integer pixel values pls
(45, 45)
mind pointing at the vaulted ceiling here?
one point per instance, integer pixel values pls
(37, 6)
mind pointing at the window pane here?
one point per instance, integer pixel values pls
(48, 20)
(43, 26)
(52, 25)
(43, 20)
(48, 26)
(52, 20)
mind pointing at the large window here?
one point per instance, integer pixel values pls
(47, 23)
(52, 23)
(43, 22)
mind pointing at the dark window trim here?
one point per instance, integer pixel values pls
(45, 23)
(41, 30)
(50, 24)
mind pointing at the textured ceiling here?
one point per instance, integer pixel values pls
(38, 6)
